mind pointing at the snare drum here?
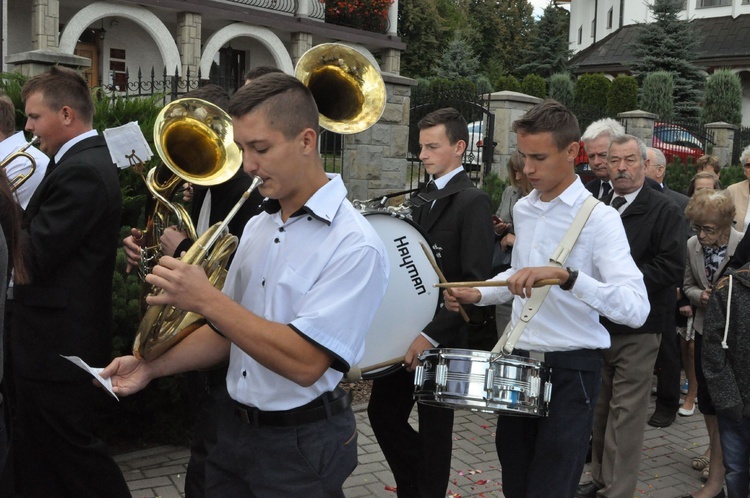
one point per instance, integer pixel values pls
(483, 381)
(411, 299)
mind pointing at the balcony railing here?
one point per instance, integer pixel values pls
(287, 6)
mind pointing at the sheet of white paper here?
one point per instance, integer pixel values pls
(125, 140)
(107, 383)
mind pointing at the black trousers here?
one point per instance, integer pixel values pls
(58, 453)
(668, 366)
(420, 460)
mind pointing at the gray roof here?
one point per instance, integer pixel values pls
(725, 43)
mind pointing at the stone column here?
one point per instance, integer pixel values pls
(723, 134)
(375, 160)
(189, 44)
(640, 124)
(507, 107)
(391, 61)
(45, 24)
(38, 61)
(303, 8)
(301, 43)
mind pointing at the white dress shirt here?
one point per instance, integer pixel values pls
(21, 166)
(609, 283)
(324, 273)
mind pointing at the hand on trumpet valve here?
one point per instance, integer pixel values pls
(183, 286)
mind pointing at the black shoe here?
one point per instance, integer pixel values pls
(661, 419)
(587, 490)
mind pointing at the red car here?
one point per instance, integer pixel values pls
(673, 140)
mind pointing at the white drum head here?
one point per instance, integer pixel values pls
(410, 301)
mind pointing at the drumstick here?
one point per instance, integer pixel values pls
(442, 277)
(494, 283)
(389, 363)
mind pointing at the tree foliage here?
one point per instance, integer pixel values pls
(562, 89)
(548, 52)
(722, 99)
(669, 44)
(458, 61)
(590, 101)
(533, 84)
(657, 95)
(623, 96)
(423, 30)
(507, 83)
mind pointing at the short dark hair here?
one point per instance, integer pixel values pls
(552, 117)
(7, 116)
(288, 104)
(61, 86)
(259, 71)
(455, 125)
(212, 93)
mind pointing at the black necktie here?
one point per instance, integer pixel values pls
(50, 166)
(431, 187)
(606, 187)
(618, 202)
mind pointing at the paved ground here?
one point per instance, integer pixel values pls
(665, 471)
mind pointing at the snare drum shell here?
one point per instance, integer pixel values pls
(482, 381)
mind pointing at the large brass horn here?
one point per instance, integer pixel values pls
(194, 139)
(346, 86)
(21, 178)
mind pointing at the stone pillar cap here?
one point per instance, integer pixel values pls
(638, 114)
(49, 57)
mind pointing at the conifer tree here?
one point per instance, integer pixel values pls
(561, 89)
(669, 44)
(657, 95)
(723, 98)
(623, 95)
(549, 52)
(458, 61)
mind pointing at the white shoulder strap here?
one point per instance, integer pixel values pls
(508, 340)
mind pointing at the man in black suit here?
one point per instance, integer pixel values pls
(70, 237)
(655, 231)
(458, 221)
(668, 361)
(596, 140)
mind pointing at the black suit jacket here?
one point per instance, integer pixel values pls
(461, 226)
(70, 238)
(223, 199)
(655, 230)
(594, 186)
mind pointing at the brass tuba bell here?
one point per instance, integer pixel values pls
(346, 86)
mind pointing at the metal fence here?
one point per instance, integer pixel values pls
(741, 140)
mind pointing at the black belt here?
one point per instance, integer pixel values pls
(589, 360)
(324, 406)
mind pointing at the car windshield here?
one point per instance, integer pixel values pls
(677, 136)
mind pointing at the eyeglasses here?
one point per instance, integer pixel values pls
(707, 229)
(747, 165)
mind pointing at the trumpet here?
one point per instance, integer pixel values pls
(21, 178)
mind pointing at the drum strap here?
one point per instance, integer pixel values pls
(423, 198)
(509, 338)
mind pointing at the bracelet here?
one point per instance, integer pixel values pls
(571, 281)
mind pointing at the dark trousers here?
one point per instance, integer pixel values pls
(58, 453)
(207, 395)
(420, 460)
(308, 461)
(544, 457)
(668, 373)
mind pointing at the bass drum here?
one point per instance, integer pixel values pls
(410, 301)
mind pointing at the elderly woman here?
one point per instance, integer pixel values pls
(503, 224)
(711, 213)
(740, 193)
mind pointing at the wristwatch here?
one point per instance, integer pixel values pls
(571, 281)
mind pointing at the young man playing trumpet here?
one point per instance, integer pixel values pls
(544, 457)
(299, 298)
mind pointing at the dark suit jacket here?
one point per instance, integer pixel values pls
(593, 186)
(223, 199)
(461, 225)
(655, 230)
(682, 201)
(70, 238)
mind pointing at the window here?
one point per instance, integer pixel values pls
(714, 3)
(580, 35)
(609, 17)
